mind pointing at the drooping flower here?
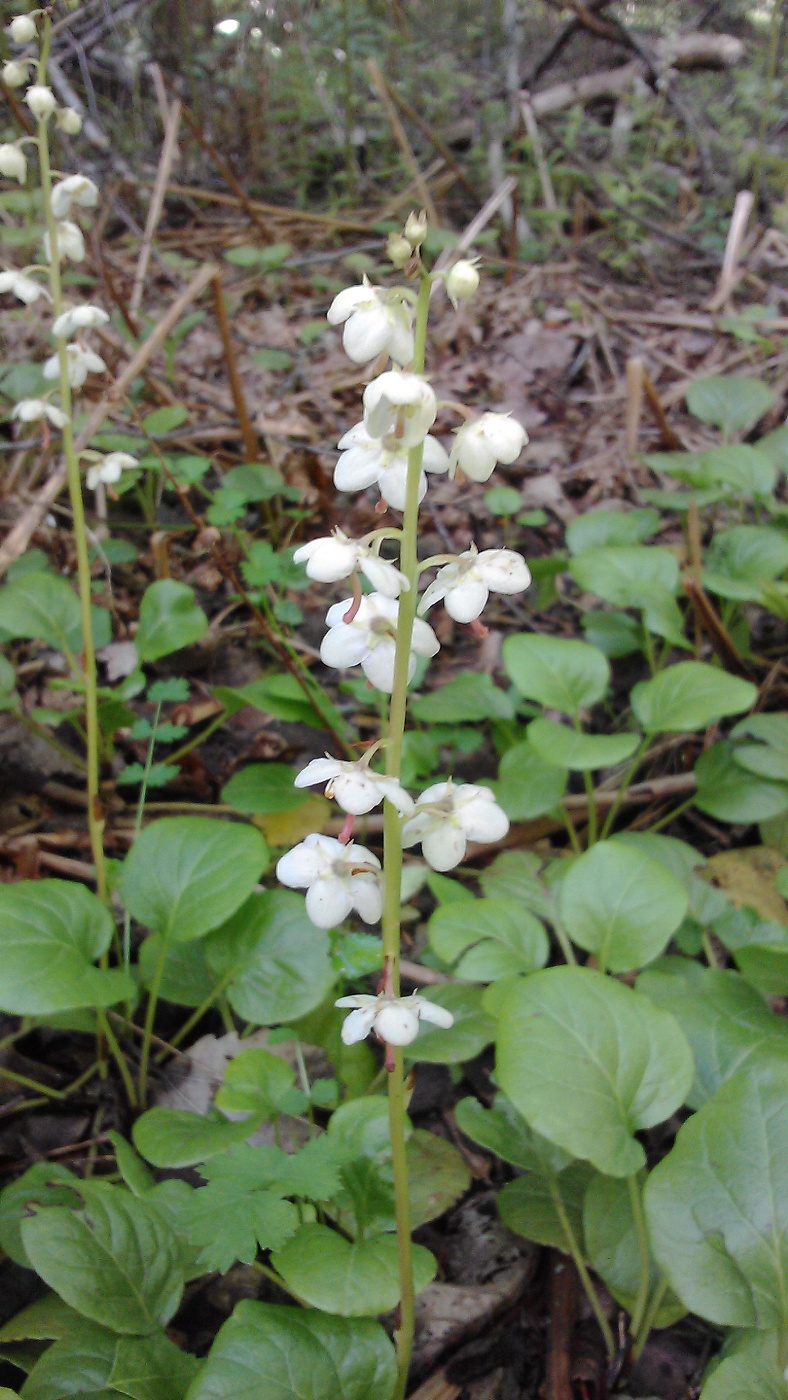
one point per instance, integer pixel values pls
(68, 119)
(448, 816)
(70, 242)
(354, 786)
(493, 438)
(41, 101)
(466, 583)
(333, 557)
(78, 318)
(25, 288)
(75, 189)
(337, 878)
(462, 280)
(13, 162)
(110, 469)
(383, 462)
(375, 320)
(368, 640)
(22, 29)
(32, 410)
(15, 72)
(416, 227)
(402, 404)
(394, 1019)
(81, 363)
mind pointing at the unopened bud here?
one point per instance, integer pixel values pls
(15, 72)
(68, 119)
(41, 101)
(13, 162)
(22, 29)
(416, 228)
(462, 280)
(398, 249)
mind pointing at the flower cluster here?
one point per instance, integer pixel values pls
(68, 368)
(381, 631)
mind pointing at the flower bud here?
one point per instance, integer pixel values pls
(15, 72)
(398, 249)
(416, 228)
(13, 162)
(68, 119)
(22, 29)
(41, 101)
(462, 280)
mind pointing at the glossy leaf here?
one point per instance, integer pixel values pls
(467, 698)
(43, 607)
(768, 757)
(689, 695)
(437, 1176)
(169, 619)
(741, 559)
(351, 1279)
(571, 748)
(175, 1137)
(589, 1063)
(473, 1028)
(750, 1377)
(274, 960)
(614, 633)
(731, 794)
(621, 905)
(563, 675)
(44, 1184)
(488, 939)
(263, 787)
(528, 787)
(256, 1082)
(540, 1207)
(599, 528)
(51, 933)
(744, 469)
(502, 1130)
(186, 875)
(628, 576)
(186, 979)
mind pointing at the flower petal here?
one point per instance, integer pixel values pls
(466, 600)
(320, 770)
(358, 1024)
(431, 1011)
(328, 901)
(444, 846)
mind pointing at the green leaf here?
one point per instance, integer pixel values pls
(730, 402)
(256, 481)
(503, 500)
(528, 787)
(729, 793)
(226, 1221)
(274, 960)
(689, 695)
(44, 1184)
(43, 607)
(47, 1319)
(263, 787)
(116, 1261)
(750, 1377)
(488, 939)
(358, 1279)
(186, 979)
(614, 633)
(559, 744)
(78, 1365)
(256, 1082)
(131, 1167)
(186, 875)
(741, 559)
(765, 967)
(164, 420)
(515, 875)
(311, 1172)
(51, 932)
(769, 757)
(678, 857)
(744, 469)
(473, 1028)
(538, 1207)
(600, 528)
(612, 1245)
(272, 359)
(437, 1176)
(562, 675)
(621, 905)
(169, 619)
(277, 695)
(152, 1368)
(362, 1127)
(176, 1137)
(300, 1353)
(717, 1205)
(626, 575)
(502, 1130)
(775, 445)
(726, 1022)
(589, 1063)
(469, 697)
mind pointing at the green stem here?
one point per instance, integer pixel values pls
(574, 839)
(641, 1299)
(588, 782)
(120, 1060)
(582, 1271)
(650, 1317)
(150, 1017)
(197, 1015)
(672, 815)
(25, 1082)
(95, 813)
(624, 784)
(392, 871)
(138, 815)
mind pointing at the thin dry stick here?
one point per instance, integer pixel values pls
(290, 216)
(157, 202)
(537, 148)
(17, 540)
(248, 433)
(635, 370)
(670, 437)
(402, 141)
(742, 208)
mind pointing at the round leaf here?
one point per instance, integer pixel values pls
(186, 980)
(44, 1184)
(169, 619)
(351, 1279)
(744, 469)
(255, 1082)
(612, 1247)
(51, 932)
(731, 794)
(185, 875)
(626, 575)
(563, 675)
(621, 905)
(42, 606)
(689, 695)
(528, 787)
(437, 1176)
(717, 1205)
(588, 1063)
(538, 1207)
(473, 1028)
(503, 1131)
(175, 1137)
(751, 1377)
(488, 938)
(264, 787)
(730, 402)
(274, 960)
(557, 743)
(598, 528)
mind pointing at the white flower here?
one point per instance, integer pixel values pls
(394, 1019)
(75, 189)
(15, 72)
(416, 228)
(375, 320)
(81, 363)
(70, 242)
(468, 581)
(462, 280)
(336, 878)
(22, 29)
(110, 469)
(354, 786)
(23, 287)
(368, 640)
(332, 557)
(41, 101)
(493, 438)
(31, 410)
(383, 462)
(13, 162)
(448, 816)
(68, 119)
(78, 318)
(402, 404)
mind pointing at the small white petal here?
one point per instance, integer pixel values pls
(78, 318)
(366, 334)
(358, 1024)
(75, 189)
(367, 897)
(349, 301)
(503, 570)
(384, 577)
(22, 29)
(424, 642)
(479, 814)
(466, 600)
(301, 866)
(328, 901)
(13, 162)
(344, 645)
(431, 1011)
(360, 999)
(436, 458)
(320, 770)
(378, 665)
(22, 287)
(397, 1023)
(444, 846)
(41, 101)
